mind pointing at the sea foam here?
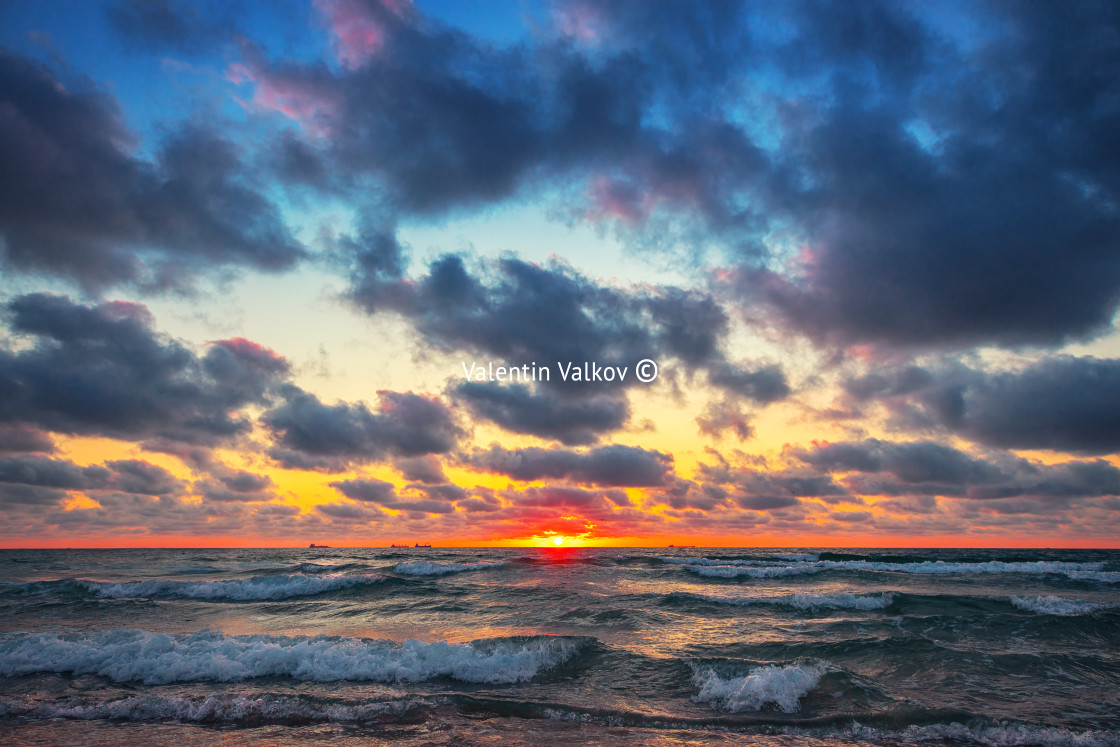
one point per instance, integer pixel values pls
(159, 658)
(250, 589)
(1052, 605)
(762, 686)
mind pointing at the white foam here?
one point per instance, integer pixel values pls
(735, 571)
(428, 568)
(939, 566)
(158, 658)
(249, 589)
(1052, 605)
(781, 686)
(219, 708)
(810, 563)
(804, 601)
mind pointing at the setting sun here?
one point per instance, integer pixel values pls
(558, 540)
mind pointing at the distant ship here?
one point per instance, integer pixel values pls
(398, 545)
(419, 545)
(313, 546)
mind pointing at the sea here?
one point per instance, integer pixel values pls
(567, 646)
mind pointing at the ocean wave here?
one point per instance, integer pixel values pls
(258, 588)
(159, 658)
(735, 571)
(320, 568)
(1077, 571)
(1052, 605)
(783, 687)
(714, 561)
(216, 708)
(797, 556)
(1035, 567)
(429, 568)
(803, 601)
(1001, 735)
(1106, 577)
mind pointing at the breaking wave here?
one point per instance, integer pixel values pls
(782, 687)
(158, 658)
(257, 588)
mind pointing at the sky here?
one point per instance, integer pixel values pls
(251, 253)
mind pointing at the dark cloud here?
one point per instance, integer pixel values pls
(19, 437)
(929, 468)
(311, 435)
(719, 417)
(32, 479)
(610, 466)
(422, 469)
(103, 370)
(372, 491)
(541, 412)
(522, 313)
(437, 499)
(952, 198)
(231, 485)
(763, 385)
(938, 194)
(74, 202)
(1063, 403)
(159, 25)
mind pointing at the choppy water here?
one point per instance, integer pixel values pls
(432, 646)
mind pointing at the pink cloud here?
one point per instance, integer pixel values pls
(359, 28)
(312, 105)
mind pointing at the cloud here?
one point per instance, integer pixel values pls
(930, 468)
(931, 197)
(158, 25)
(423, 469)
(523, 313)
(944, 199)
(719, 417)
(103, 370)
(75, 203)
(1063, 403)
(610, 466)
(32, 479)
(540, 412)
(311, 435)
(19, 437)
(439, 499)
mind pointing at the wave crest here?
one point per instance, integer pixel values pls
(258, 588)
(784, 687)
(159, 658)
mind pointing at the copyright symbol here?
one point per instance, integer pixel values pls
(646, 370)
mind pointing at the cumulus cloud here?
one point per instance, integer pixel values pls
(311, 435)
(76, 202)
(611, 466)
(103, 369)
(1063, 403)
